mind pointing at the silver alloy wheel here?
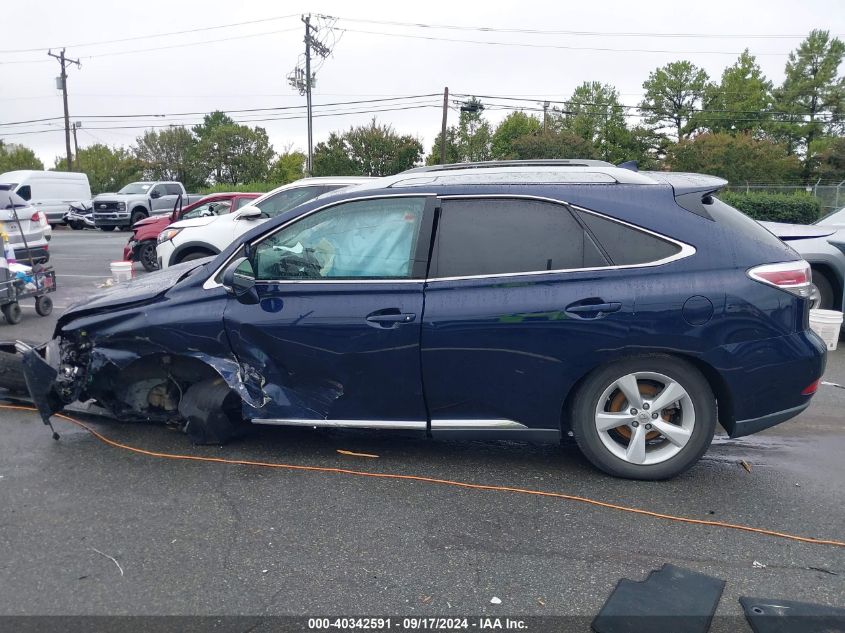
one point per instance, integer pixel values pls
(646, 429)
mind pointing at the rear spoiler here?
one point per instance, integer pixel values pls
(692, 191)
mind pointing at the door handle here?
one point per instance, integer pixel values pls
(582, 310)
(390, 317)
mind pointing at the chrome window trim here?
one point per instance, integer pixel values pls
(210, 283)
(686, 250)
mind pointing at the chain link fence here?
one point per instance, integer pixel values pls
(831, 196)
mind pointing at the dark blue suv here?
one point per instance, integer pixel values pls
(524, 300)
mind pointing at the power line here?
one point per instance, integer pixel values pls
(549, 46)
(237, 111)
(577, 33)
(151, 35)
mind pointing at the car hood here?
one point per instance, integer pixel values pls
(137, 291)
(156, 219)
(788, 232)
(203, 221)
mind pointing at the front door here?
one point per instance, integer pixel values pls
(335, 336)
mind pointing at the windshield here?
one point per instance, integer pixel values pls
(136, 187)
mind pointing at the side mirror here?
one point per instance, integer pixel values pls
(155, 194)
(239, 279)
(249, 213)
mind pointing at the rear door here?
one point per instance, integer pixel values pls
(520, 300)
(335, 336)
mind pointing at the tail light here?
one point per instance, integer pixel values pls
(793, 277)
(810, 389)
(35, 217)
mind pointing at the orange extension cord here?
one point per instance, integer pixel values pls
(432, 480)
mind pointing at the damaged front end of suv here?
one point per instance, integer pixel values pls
(151, 350)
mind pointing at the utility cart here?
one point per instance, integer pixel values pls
(38, 284)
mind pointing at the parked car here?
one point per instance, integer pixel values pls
(200, 237)
(49, 191)
(834, 218)
(524, 300)
(823, 247)
(142, 243)
(28, 240)
(79, 216)
(136, 201)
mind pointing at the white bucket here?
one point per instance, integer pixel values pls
(122, 271)
(826, 323)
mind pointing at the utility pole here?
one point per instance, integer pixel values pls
(546, 105)
(443, 126)
(303, 80)
(64, 61)
(307, 20)
(76, 126)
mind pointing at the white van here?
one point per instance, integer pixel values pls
(50, 192)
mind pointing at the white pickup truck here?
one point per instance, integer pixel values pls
(136, 201)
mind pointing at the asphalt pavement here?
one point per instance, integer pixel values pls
(89, 528)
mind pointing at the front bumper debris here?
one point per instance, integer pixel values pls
(40, 377)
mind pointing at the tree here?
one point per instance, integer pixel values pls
(14, 157)
(830, 159)
(672, 94)
(367, 150)
(452, 154)
(741, 102)
(289, 166)
(231, 153)
(594, 113)
(738, 158)
(470, 141)
(108, 169)
(552, 144)
(170, 154)
(811, 90)
(515, 125)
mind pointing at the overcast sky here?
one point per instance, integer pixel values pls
(246, 65)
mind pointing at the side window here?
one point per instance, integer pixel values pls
(626, 245)
(158, 189)
(217, 207)
(173, 189)
(365, 239)
(242, 202)
(496, 236)
(25, 192)
(288, 199)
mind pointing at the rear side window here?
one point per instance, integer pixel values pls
(25, 192)
(625, 245)
(499, 236)
(173, 189)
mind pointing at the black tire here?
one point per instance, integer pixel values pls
(107, 228)
(137, 216)
(77, 226)
(586, 401)
(192, 256)
(825, 290)
(147, 255)
(12, 312)
(11, 373)
(43, 305)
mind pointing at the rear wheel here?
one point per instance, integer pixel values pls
(43, 305)
(147, 255)
(107, 228)
(644, 418)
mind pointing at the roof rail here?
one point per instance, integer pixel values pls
(558, 162)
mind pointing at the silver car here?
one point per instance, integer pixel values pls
(22, 223)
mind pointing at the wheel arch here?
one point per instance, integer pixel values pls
(724, 399)
(836, 282)
(192, 247)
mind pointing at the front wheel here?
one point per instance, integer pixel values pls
(12, 312)
(648, 418)
(147, 256)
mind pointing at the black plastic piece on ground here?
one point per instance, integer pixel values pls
(773, 615)
(671, 599)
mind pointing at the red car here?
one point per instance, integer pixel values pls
(142, 244)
